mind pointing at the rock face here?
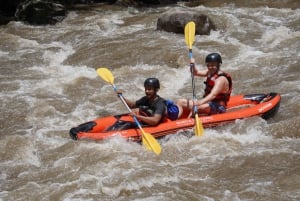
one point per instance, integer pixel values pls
(40, 12)
(174, 20)
(7, 10)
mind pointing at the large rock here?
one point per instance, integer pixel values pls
(4, 19)
(8, 7)
(174, 20)
(7, 10)
(40, 12)
(144, 2)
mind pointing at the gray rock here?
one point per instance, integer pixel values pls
(175, 19)
(40, 12)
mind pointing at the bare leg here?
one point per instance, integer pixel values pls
(204, 109)
(183, 104)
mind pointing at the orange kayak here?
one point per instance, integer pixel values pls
(239, 107)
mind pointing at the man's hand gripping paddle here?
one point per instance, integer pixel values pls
(147, 139)
(189, 34)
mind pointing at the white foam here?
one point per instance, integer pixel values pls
(171, 79)
(4, 54)
(242, 137)
(273, 37)
(138, 184)
(56, 73)
(56, 57)
(110, 24)
(27, 43)
(26, 152)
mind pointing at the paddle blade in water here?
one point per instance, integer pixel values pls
(151, 143)
(189, 34)
(198, 126)
(106, 75)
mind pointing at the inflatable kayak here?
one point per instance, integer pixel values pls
(239, 107)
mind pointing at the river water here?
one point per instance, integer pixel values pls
(49, 84)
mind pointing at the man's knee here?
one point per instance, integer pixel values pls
(180, 102)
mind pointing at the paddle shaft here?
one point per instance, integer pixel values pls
(128, 108)
(192, 69)
(189, 34)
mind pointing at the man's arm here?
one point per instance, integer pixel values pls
(131, 104)
(200, 73)
(152, 121)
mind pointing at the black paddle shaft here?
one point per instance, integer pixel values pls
(192, 69)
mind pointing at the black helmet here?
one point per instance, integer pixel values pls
(213, 57)
(152, 82)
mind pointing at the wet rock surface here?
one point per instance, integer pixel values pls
(174, 20)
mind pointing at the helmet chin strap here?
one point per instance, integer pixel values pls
(218, 67)
(217, 71)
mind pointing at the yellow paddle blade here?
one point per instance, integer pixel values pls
(150, 143)
(189, 34)
(106, 75)
(198, 126)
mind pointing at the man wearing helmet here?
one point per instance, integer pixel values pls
(150, 109)
(218, 86)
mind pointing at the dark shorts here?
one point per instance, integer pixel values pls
(215, 108)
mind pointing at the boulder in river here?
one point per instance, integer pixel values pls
(40, 12)
(174, 20)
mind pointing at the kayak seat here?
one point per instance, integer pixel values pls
(121, 125)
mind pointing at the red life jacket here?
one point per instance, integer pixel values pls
(210, 82)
